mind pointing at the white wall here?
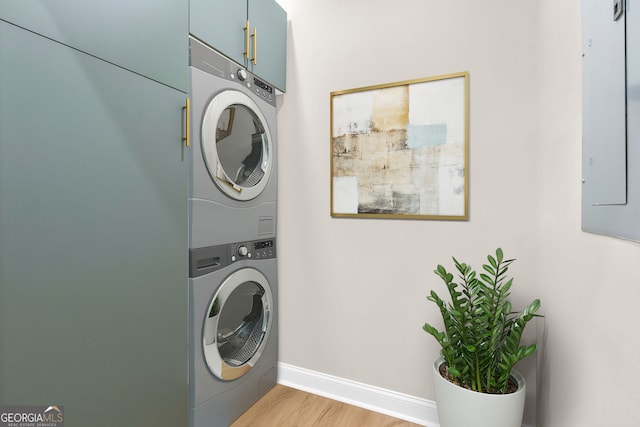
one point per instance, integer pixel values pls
(352, 291)
(590, 284)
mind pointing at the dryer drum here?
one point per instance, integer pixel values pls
(237, 325)
(251, 172)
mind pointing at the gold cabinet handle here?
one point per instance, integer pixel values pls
(255, 45)
(187, 111)
(247, 37)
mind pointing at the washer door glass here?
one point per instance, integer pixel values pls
(236, 144)
(237, 325)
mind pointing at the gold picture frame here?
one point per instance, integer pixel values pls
(400, 150)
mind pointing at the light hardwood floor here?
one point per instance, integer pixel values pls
(287, 407)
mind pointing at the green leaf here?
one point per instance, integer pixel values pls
(492, 261)
(454, 372)
(433, 331)
(530, 350)
(489, 269)
(505, 288)
(440, 270)
(486, 278)
(533, 307)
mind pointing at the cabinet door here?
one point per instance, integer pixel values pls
(270, 21)
(148, 37)
(220, 24)
(93, 238)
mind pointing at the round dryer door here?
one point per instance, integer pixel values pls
(238, 323)
(236, 144)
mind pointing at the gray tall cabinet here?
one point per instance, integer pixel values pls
(93, 210)
(94, 198)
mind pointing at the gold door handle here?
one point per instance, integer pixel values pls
(187, 112)
(247, 39)
(255, 45)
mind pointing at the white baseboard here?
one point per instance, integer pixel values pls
(398, 405)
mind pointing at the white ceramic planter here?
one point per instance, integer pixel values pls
(459, 407)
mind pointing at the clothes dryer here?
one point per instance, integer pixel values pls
(233, 329)
(233, 158)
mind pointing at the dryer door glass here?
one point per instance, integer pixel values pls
(236, 144)
(237, 325)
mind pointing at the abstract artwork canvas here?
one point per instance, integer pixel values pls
(400, 150)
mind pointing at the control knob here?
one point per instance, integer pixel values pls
(242, 74)
(243, 251)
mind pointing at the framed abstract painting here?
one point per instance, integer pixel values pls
(400, 150)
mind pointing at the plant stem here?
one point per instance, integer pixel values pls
(478, 375)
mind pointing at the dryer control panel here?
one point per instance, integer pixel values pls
(207, 59)
(260, 88)
(206, 260)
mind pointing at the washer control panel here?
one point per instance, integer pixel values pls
(257, 249)
(206, 260)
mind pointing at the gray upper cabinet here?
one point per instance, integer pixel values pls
(269, 44)
(252, 33)
(148, 37)
(220, 23)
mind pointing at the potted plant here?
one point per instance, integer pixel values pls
(475, 383)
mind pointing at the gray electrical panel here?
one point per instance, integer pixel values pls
(611, 117)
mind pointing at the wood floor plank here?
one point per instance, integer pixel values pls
(287, 407)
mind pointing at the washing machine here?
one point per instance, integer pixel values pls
(233, 158)
(233, 329)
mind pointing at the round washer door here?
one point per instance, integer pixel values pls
(237, 325)
(236, 145)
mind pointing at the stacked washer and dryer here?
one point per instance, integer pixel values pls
(233, 329)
